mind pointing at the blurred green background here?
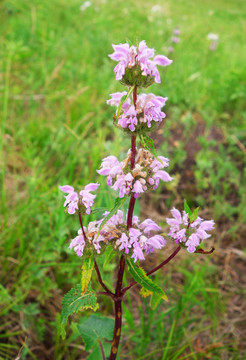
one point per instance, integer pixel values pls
(55, 78)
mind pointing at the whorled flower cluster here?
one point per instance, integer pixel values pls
(145, 175)
(146, 114)
(84, 198)
(142, 56)
(138, 241)
(186, 233)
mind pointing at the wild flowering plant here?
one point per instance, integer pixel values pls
(116, 233)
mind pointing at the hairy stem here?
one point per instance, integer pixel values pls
(118, 290)
(118, 309)
(130, 212)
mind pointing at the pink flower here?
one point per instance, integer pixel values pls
(148, 110)
(189, 234)
(146, 174)
(175, 39)
(176, 31)
(140, 240)
(129, 57)
(73, 199)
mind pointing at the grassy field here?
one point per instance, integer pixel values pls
(55, 78)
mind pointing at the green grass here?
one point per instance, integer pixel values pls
(55, 76)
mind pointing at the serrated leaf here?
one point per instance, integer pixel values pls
(139, 275)
(145, 292)
(187, 208)
(123, 99)
(117, 204)
(194, 215)
(74, 301)
(96, 328)
(148, 144)
(109, 254)
(87, 269)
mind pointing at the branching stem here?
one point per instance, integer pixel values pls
(155, 269)
(109, 293)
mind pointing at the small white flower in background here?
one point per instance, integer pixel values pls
(85, 5)
(213, 37)
(156, 8)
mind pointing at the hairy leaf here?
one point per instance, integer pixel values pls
(187, 208)
(74, 301)
(123, 99)
(87, 269)
(145, 292)
(140, 277)
(118, 203)
(148, 144)
(194, 215)
(109, 254)
(155, 300)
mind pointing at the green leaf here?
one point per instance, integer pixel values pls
(87, 269)
(140, 277)
(187, 208)
(118, 203)
(194, 215)
(74, 301)
(96, 353)
(155, 300)
(148, 144)
(109, 254)
(96, 328)
(123, 99)
(145, 292)
(97, 210)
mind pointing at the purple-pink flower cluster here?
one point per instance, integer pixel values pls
(74, 199)
(145, 175)
(132, 56)
(137, 241)
(186, 233)
(147, 111)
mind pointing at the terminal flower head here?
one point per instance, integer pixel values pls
(141, 57)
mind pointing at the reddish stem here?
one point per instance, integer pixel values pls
(102, 351)
(130, 212)
(155, 269)
(118, 290)
(108, 292)
(133, 151)
(118, 310)
(82, 227)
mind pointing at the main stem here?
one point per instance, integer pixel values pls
(118, 309)
(118, 290)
